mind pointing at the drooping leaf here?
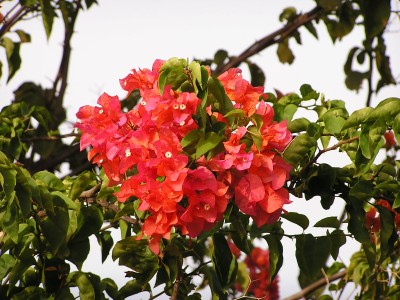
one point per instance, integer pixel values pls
(225, 263)
(275, 254)
(312, 253)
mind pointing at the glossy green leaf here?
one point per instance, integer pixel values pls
(210, 141)
(223, 103)
(297, 219)
(191, 137)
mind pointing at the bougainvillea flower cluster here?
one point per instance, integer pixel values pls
(260, 286)
(192, 145)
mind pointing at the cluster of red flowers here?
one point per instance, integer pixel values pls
(258, 266)
(141, 151)
(373, 220)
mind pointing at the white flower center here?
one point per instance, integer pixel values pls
(182, 106)
(127, 153)
(143, 103)
(168, 154)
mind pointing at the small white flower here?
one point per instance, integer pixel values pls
(127, 153)
(143, 103)
(182, 106)
(168, 154)
(101, 111)
(182, 123)
(176, 106)
(207, 207)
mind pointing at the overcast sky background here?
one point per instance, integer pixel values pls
(116, 36)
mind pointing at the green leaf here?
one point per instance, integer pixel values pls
(357, 118)
(301, 148)
(257, 74)
(23, 36)
(329, 4)
(191, 137)
(275, 254)
(49, 180)
(7, 262)
(297, 219)
(376, 16)
(388, 109)
(48, 15)
(285, 55)
(220, 56)
(223, 104)
(90, 220)
(81, 183)
(334, 119)
(30, 292)
(332, 222)
(131, 288)
(13, 57)
(9, 221)
(388, 234)
(307, 92)
(210, 141)
(78, 252)
(135, 254)
(86, 290)
(106, 243)
(312, 253)
(298, 125)
(8, 181)
(224, 262)
(338, 239)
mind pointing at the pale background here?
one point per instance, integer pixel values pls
(115, 36)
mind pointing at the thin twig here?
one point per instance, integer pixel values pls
(370, 88)
(316, 285)
(271, 39)
(334, 147)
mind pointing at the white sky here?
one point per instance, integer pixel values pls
(116, 36)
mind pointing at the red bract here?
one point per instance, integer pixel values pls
(141, 151)
(390, 140)
(260, 286)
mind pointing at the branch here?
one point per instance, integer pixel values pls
(272, 38)
(60, 82)
(92, 192)
(316, 285)
(49, 138)
(334, 147)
